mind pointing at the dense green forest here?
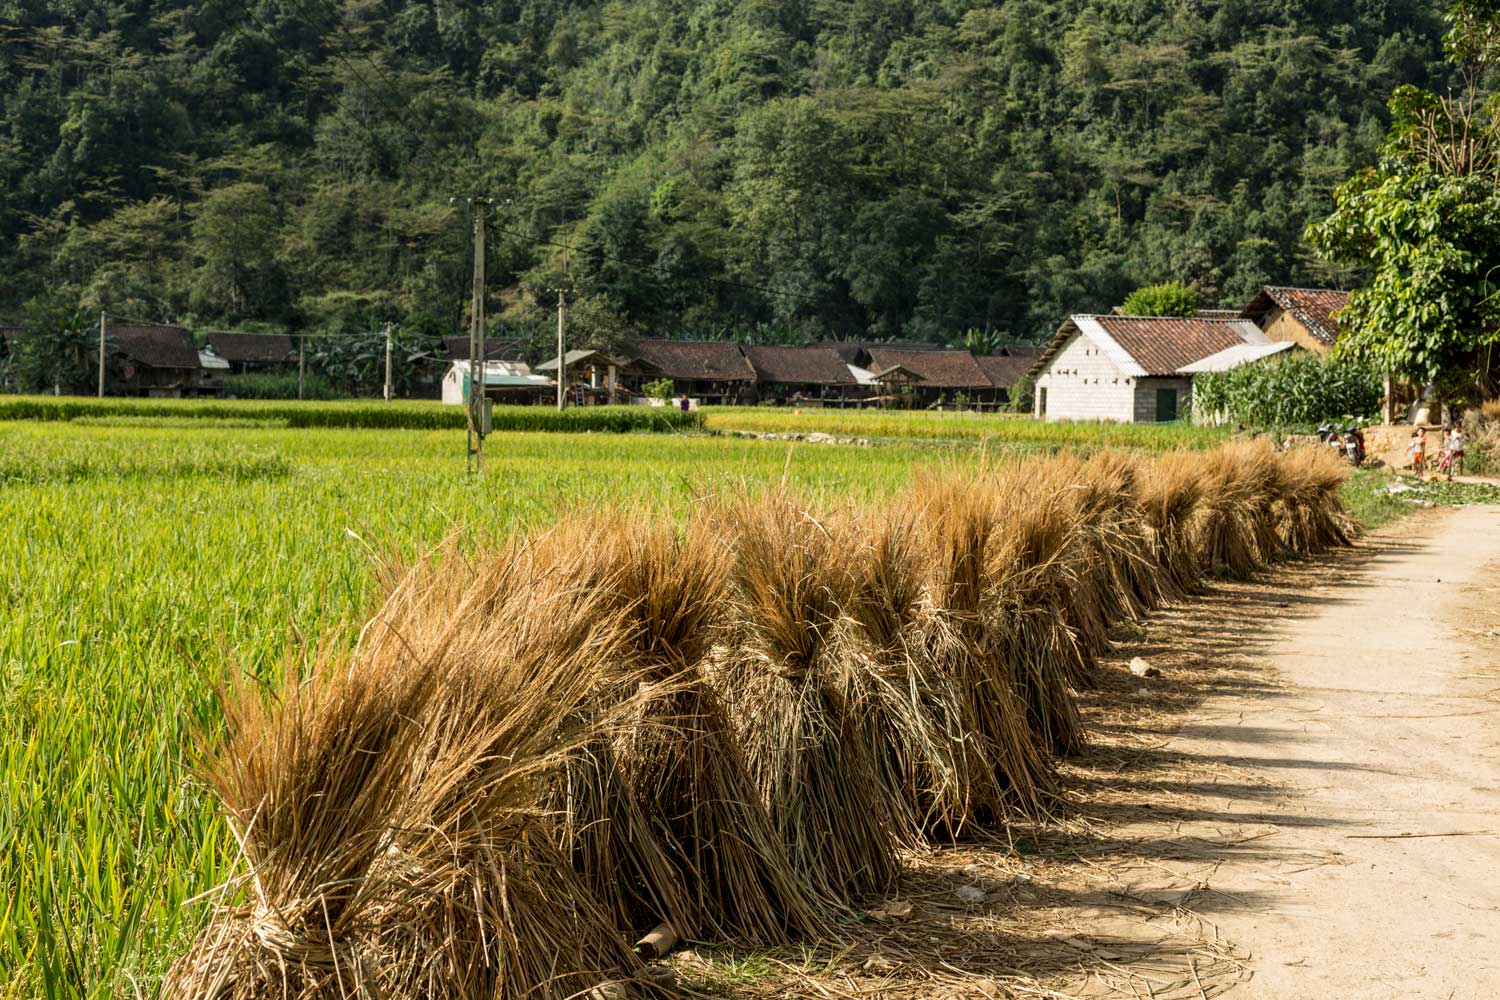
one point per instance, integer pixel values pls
(772, 171)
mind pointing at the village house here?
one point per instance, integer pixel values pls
(803, 375)
(503, 382)
(1129, 369)
(1308, 317)
(924, 379)
(253, 353)
(594, 377)
(712, 372)
(153, 359)
(1006, 367)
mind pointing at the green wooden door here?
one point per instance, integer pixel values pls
(1166, 405)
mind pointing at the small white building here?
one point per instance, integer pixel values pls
(1130, 369)
(511, 381)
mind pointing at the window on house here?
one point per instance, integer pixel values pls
(1041, 401)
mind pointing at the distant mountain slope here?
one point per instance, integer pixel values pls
(773, 171)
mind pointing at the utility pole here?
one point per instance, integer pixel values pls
(387, 361)
(562, 312)
(474, 458)
(301, 362)
(101, 355)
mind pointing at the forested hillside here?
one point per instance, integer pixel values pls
(715, 168)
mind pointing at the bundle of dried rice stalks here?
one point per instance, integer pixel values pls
(1031, 569)
(1168, 493)
(1228, 530)
(390, 809)
(1110, 573)
(662, 816)
(787, 694)
(913, 713)
(981, 632)
(1309, 513)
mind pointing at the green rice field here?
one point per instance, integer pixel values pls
(148, 557)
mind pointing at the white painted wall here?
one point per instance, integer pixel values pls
(1082, 383)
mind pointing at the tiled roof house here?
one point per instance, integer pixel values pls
(1128, 368)
(253, 352)
(1306, 316)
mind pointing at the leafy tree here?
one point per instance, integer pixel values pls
(1167, 299)
(1426, 223)
(57, 349)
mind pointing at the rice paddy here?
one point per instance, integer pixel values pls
(144, 569)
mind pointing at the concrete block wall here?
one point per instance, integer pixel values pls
(1082, 383)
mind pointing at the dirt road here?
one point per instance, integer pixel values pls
(1350, 820)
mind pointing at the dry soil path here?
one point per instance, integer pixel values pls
(1352, 831)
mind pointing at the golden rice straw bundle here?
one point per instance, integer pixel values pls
(1030, 570)
(1310, 513)
(663, 815)
(1260, 467)
(787, 694)
(1123, 534)
(976, 646)
(1226, 530)
(913, 714)
(1168, 491)
(1107, 551)
(390, 810)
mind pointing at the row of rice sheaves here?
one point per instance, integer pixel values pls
(732, 725)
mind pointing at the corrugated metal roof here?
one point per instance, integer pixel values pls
(1316, 309)
(798, 366)
(155, 345)
(938, 369)
(1239, 354)
(503, 373)
(696, 360)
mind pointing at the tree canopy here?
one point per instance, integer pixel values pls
(1170, 298)
(1425, 223)
(768, 171)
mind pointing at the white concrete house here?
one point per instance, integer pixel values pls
(1129, 369)
(510, 381)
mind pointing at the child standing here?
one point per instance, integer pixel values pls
(1456, 448)
(1418, 451)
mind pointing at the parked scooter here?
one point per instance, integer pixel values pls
(1354, 445)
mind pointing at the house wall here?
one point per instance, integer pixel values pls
(1082, 383)
(1145, 396)
(1279, 325)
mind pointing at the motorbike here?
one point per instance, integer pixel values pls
(1354, 445)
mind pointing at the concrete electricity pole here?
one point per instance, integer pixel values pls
(562, 312)
(387, 361)
(476, 428)
(101, 355)
(301, 362)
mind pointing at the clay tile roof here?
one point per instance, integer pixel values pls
(255, 348)
(799, 365)
(938, 369)
(1163, 344)
(696, 360)
(155, 345)
(1315, 308)
(1003, 370)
